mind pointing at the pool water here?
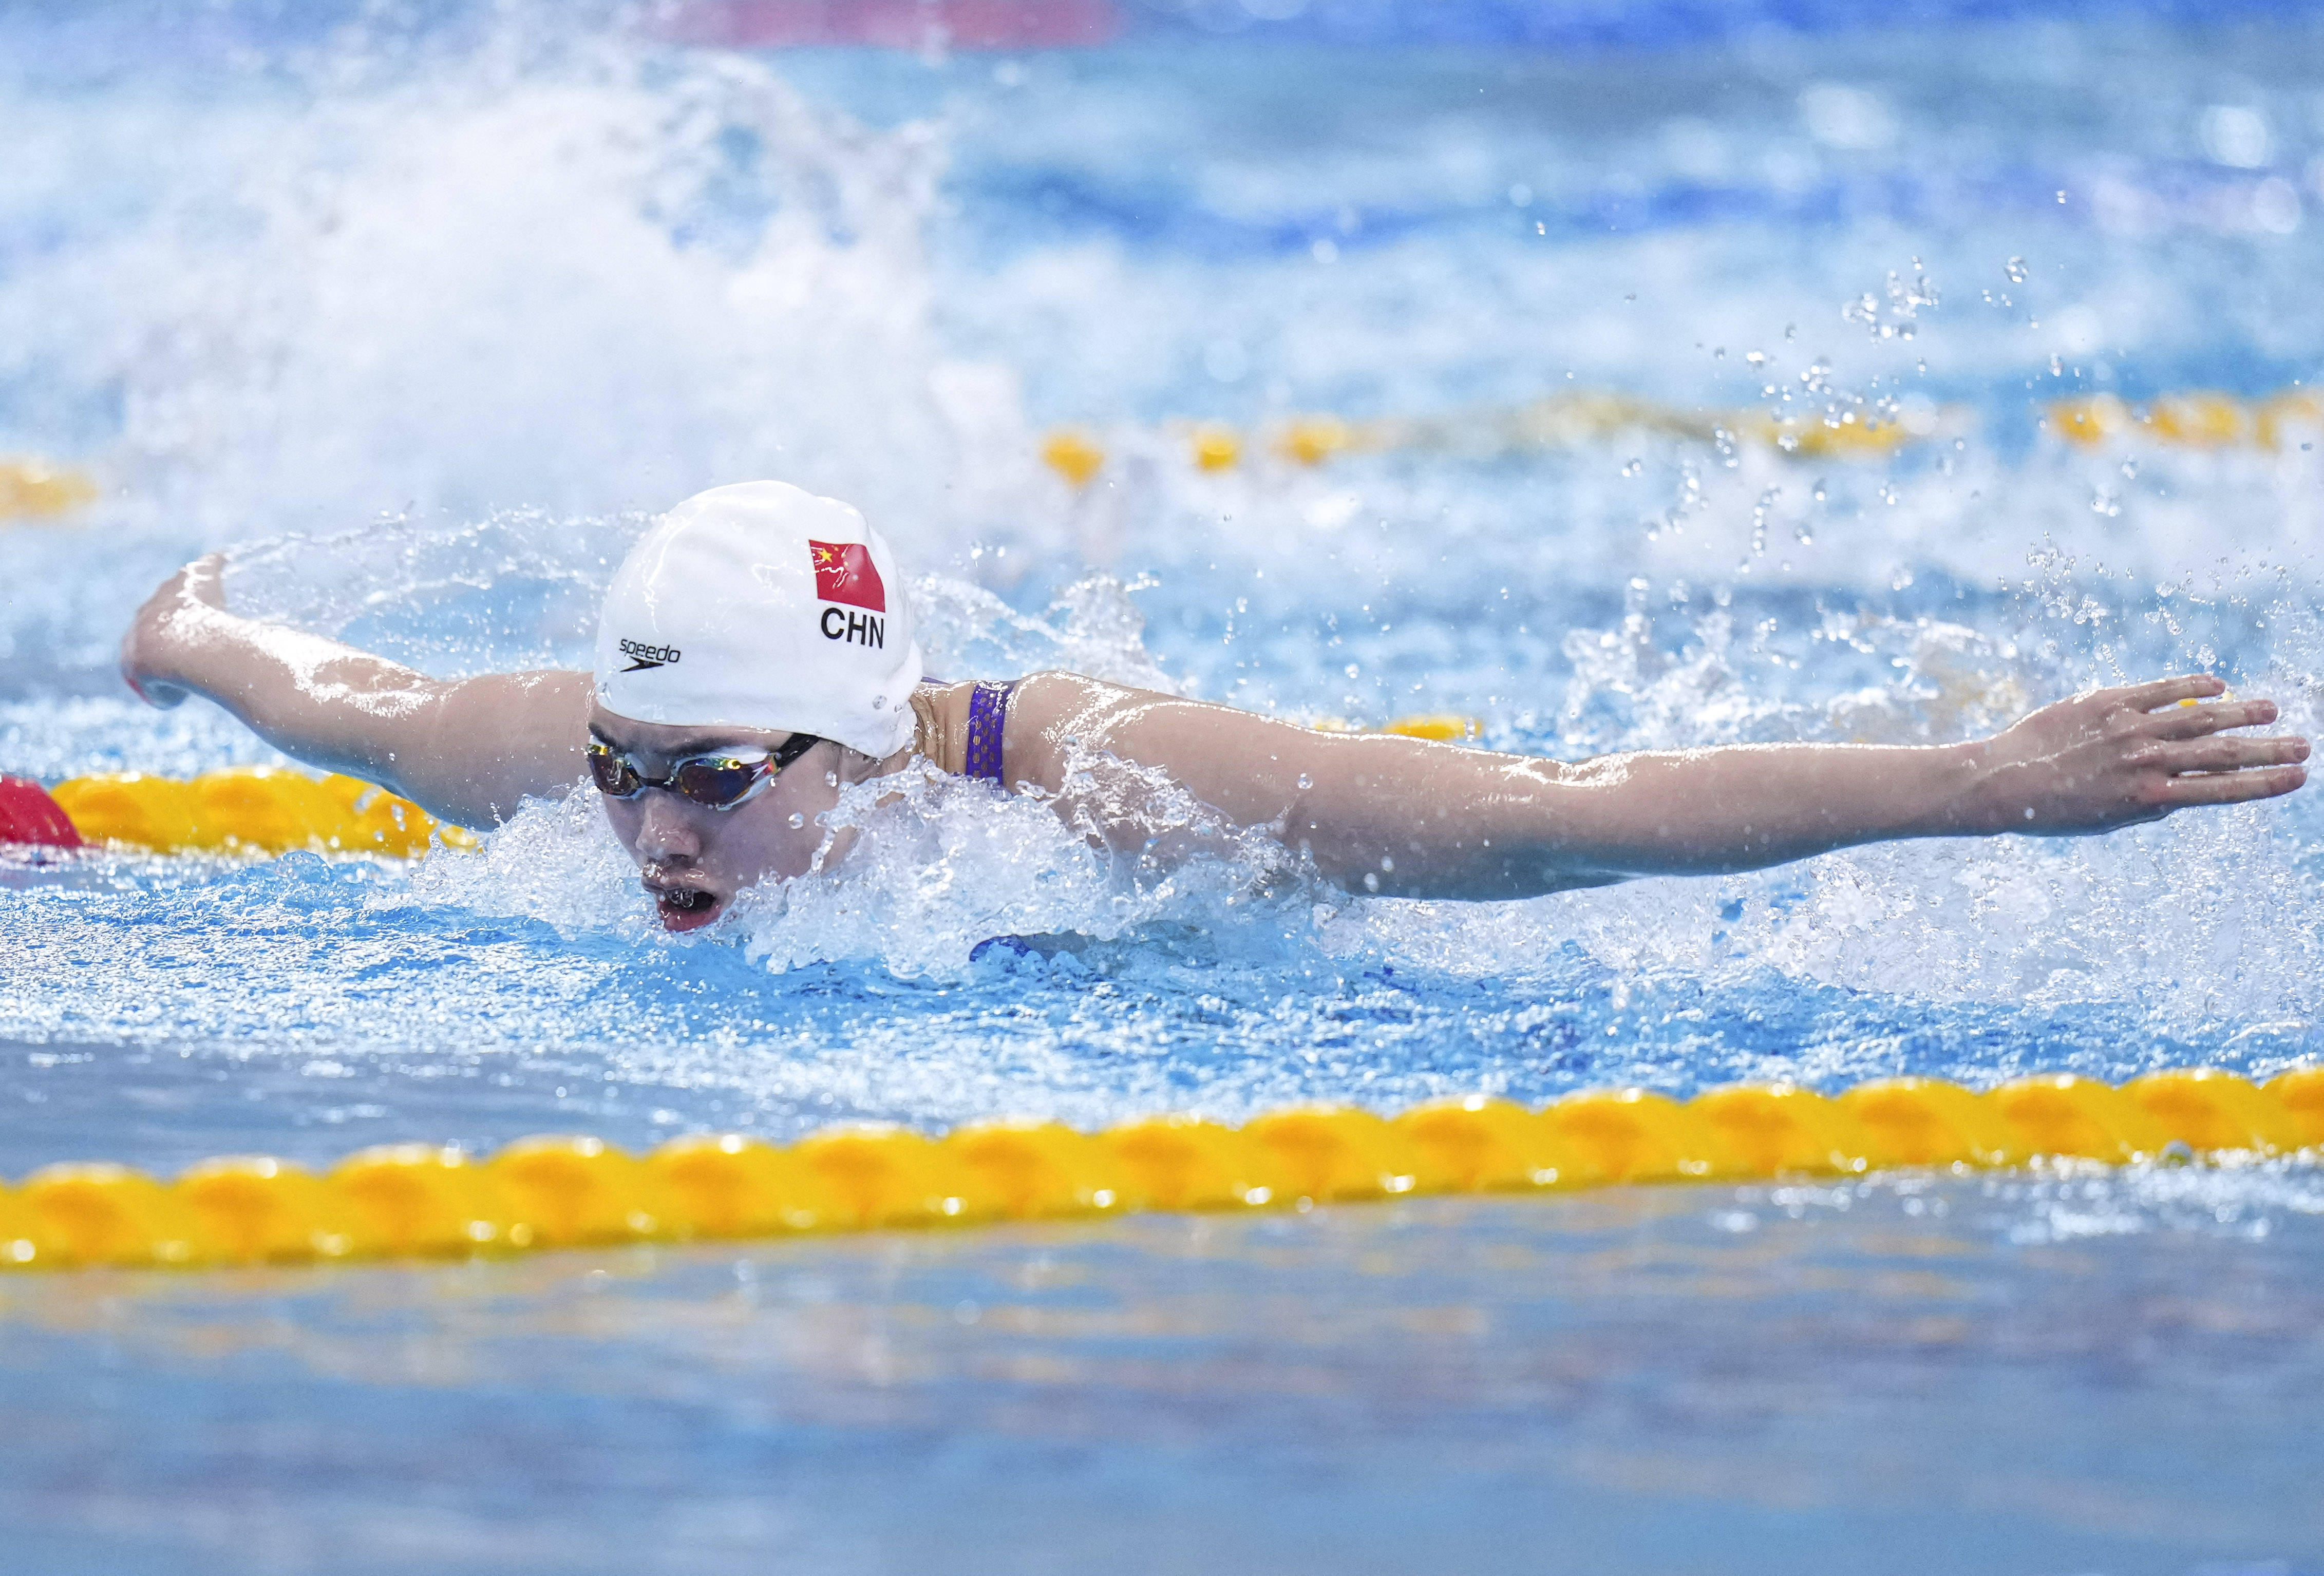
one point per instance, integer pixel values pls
(424, 314)
(1917, 1376)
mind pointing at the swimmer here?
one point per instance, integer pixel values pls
(756, 653)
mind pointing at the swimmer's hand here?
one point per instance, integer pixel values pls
(2115, 756)
(175, 619)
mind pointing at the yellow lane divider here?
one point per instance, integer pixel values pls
(37, 489)
(1559, 421)
(34, 489)
(2200, 418)
(409, 1201)
(251, 810)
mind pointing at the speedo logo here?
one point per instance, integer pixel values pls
(643, 656)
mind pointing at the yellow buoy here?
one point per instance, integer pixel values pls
(1073, 455)
(2296, 407)
(881, 1175)
(1216, 448)
(723, 1184)
(2089, 422)
(419, 1199)
(1770, 1130)
(2207, 1109)
(572, 1190)
(18, 1250)
(1478, 1145)
(1926, 1122)
(2059, 1113)
(373, 821)
(32, 489)
(1180, 1162)
(1633, 1135)
(261, 809)
(2300, 1094)
(2198, 419)
(131, 807)
(1442, 726)
(1336, 1152)
(103, 1213)
(1565, 420)
(1847, 435)
(254, 1209)
(1313, 439)
(1018, 1170)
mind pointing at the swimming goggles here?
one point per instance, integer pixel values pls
(716, 779)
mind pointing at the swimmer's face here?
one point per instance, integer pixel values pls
(692, 859)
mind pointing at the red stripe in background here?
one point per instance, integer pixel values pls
(895, 25)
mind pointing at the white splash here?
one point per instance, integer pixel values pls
(939, 865)
(588, 278)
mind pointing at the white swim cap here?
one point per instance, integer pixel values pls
(761, 606)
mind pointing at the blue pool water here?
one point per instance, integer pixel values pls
(424, 313)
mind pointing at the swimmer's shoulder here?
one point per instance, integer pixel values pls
(1055, 712)
(1045, 710)
(1058, 714)
(1056, 704)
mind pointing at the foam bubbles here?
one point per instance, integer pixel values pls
(935, 866)
(556, 861)
(460, 275)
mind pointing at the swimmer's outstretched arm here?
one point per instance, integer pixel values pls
(1429, 820)
(466, 751)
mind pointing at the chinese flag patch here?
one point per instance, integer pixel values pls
(844, 572)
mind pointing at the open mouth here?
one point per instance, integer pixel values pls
(684, 907)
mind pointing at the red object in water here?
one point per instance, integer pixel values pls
(27, 815)
(897, 25)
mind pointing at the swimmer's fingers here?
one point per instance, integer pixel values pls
(2165, 692)
(2231, 787)
(2226, 754)
(203, 579)
(155, 634)
(2179, 720)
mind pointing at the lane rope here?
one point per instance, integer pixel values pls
(244, 810)
(34, 489)
(2198, 418)
(1842, 431)
(422, 1200)
(1559, 421)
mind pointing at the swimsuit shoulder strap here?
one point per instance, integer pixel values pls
(988, 715)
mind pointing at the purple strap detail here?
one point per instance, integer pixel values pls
(988, 714)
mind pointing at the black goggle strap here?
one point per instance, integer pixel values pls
(791, 749)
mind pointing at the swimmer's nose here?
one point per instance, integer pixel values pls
(666, 834)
